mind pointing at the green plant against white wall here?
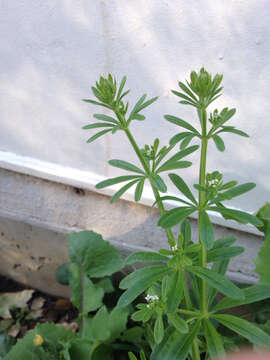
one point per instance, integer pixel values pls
(183, 319)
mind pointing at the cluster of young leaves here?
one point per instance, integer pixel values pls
(111, 96)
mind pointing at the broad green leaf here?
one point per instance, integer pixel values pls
(235, 131)
(237, 215)
(175, 291)
(102, 352)
(178, 137)
(218, 282)
(97, 257)
(219, 142)
(100, 329)
(116, 180)
(145, 256)
(117, 322)
(182, 186)
(97, 135)
(138, 281)
(244, 328)
(206, 230)
(143, 315)
(62, 274)
(263, 214)
(224, 241)
(133, 335)
(79, 349)
(182, 123)
(106, 118)
(159, 329)
(224, 253)
(172, 165)
(158, 183)
(121, 191)
(86, 298)
(186, 141)
(175, 346)
(96, 125)
(6, 344)
(235, 191)
(175, 216)
(180, 324)
(121, 164)
(252, 294)
(213, 339)
(139, 190)
(54, 334)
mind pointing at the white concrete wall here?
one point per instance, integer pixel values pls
(52, 51)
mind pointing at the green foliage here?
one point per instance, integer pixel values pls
(168, 310)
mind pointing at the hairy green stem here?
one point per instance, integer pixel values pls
(169, 233)
(202, 200)
(82, 300)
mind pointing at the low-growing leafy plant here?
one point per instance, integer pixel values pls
(169, 310)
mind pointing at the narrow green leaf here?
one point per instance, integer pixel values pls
(121, 191)
(96, 125)
(139, 190)
(96, 103)
(158, 183)
(121, 164)
(262, 262)
(175, 216)
(218, 282)
(178, 137)
(182, 123)
(172, 165)
(183, 96)
(182, 186)
(147, 103)
(174, 291)
(131, 356)
(186, 141)
(221, 268)
(219, 142)
(186, 231)
(180, 324)
(213, 339)
(138, 281)
(244, 328)
(224, 241)
(181, 154)
(206, 230)
(116, 180)
(235, 131)
(172, 198)
(235, 191)
(175, 346)
(229, 184)
(252, 294)
(121, 86)
(187, 90)
(106, 118)
(224, 253)
(97, 135)
(159, 329)
(146, 257)
(237, 215)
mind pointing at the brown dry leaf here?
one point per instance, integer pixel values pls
(37, 303)
(13, 300)
(62, 304)
(72, 326)
(14, 331)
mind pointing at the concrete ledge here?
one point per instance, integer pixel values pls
(36, 215)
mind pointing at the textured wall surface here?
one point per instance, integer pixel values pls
(52, 51)
(36, 216)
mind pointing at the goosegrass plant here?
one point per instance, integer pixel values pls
(184, 280)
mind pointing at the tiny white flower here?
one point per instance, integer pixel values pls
(174, 248)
